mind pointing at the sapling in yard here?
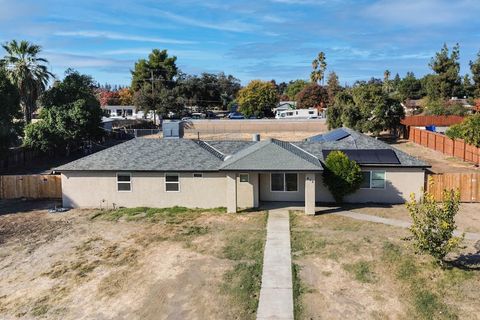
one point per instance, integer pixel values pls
(434, 223)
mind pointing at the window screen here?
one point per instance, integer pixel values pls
(366, 180)
(378, 180)
(244, 177)
(277, 181)
(291, 182)
(172, 182)
(284, 181)
(124, 182)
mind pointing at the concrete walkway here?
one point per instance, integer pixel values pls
(276, 295)
(396, 223)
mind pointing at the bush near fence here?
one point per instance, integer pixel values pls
(451, 147)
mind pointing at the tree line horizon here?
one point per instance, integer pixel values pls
(73, 105)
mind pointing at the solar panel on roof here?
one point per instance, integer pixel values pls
(334, 135)
(369, 156)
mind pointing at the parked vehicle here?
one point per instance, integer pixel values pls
(236, 116)
(298, 114)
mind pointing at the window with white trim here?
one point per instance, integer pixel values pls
(198, 175)
(284, 182)
(172, 182)
(373, 180)
(124, 182)
(244, 177)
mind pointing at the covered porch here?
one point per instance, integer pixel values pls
(257, 189)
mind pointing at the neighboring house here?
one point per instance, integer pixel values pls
(412, 106)
(283, 106)
(126, 112)
(235, 174)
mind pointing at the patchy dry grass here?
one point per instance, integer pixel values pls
(346, 268)
(242, 283)
(173, 215)
(132, 263)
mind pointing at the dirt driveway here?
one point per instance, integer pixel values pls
(440, 162)
(83, 264)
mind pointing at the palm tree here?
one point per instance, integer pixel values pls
(27, 72)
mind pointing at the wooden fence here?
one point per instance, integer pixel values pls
(451, 147)
(30, 187)
(439, 121)
(466, 183)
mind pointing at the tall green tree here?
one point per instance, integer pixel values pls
(159, 64)
(446, 66)
(294, 87)
(409, 87)
(467, 86)
(387, 83)
(9, 110)
(70, 115)
(208, 90)
(258, 98)
(333, 87)
(372, 109)
(338, 113)
(154, 82)
(28, 72)
(475, 70)
(319, 65)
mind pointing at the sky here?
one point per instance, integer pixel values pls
(250, 39)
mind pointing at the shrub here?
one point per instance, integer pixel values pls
(467, 130)
(341, 176)
(434, 223)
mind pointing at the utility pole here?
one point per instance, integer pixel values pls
(153, 98)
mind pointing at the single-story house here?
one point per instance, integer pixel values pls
(235, 174)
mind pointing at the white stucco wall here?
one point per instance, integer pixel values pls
(400, 183)
(247, 192)
(99, 189)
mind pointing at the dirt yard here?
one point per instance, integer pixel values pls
(467, 219)
(129, 264)
(348, 269)
(440, 162)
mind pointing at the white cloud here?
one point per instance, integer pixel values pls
(273, 18)
(228, 25)
(181, 54)
(119, 36)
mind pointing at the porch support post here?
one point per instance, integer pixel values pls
(231, 192)
(310, 193)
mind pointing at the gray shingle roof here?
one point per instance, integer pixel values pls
(144, 154)
(272, 155)
(228, 147)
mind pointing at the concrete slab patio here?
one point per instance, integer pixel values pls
(276, 295)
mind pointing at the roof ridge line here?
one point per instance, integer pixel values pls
(305, 151)
(214, 151)
(312, 159)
